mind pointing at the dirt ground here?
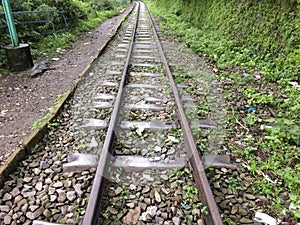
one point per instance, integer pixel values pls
(24, 99)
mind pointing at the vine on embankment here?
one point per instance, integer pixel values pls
(254, 47)
(260, 34)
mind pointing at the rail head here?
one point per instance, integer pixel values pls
(93, 207)
(205, 193)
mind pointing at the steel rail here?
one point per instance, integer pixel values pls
(205, 193)
(93, 207)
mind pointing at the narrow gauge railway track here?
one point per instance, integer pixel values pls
(148, 165)
(143, 87)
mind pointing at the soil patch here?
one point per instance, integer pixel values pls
(25, 99)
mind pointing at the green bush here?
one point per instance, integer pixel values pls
(81, 15)
(261, 34)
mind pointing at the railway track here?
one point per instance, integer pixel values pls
(132, 127)
(141, 88)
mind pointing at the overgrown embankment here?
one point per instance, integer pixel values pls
(254, 47)
(261, 34)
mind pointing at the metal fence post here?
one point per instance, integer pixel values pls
(18, 55)
(10, 23)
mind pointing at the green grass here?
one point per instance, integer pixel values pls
(38, 122)
(231, 35)
(50, 125)
(232, 38)
(61, 40)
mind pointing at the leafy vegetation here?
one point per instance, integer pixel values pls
(81, 15)
(255, 45)
(39, 121)
(50, 125)
(229, 33)
(79, 147)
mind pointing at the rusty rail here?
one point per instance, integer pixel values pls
(205, 193)
(93, 207)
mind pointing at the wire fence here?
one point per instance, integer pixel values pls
(54, 17)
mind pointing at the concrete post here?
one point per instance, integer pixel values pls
(19, 57)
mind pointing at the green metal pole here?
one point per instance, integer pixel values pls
(10, 23)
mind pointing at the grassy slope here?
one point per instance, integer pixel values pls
(246, 40)
(249, 34)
